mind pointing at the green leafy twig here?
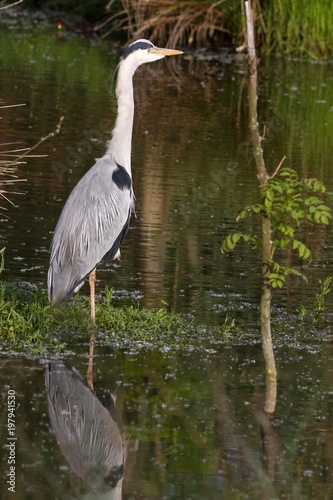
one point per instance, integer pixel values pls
(287, 201)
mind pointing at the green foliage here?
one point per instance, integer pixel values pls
(325, 286)
(28, 322)
(319, 307)
(22, 315)
(229, 327)
(231, 241)
(297, 27)
(288, 201)
(140, 323)
(277, 276)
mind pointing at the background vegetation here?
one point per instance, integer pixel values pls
(291, 27)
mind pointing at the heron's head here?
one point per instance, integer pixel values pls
(143, 51)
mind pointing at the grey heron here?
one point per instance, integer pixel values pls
(95, 218)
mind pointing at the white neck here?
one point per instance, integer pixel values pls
(120, 144)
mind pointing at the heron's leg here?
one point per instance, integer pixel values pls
(90, 380)
(92, 279)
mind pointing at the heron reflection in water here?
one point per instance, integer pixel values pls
(88, 432)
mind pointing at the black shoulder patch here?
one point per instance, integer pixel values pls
(121, 178)
(143, 45)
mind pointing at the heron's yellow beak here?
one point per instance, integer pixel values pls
(165, 52)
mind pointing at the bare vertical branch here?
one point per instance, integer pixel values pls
(251, 49)
(266, 295)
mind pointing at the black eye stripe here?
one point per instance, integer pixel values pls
(136, 46)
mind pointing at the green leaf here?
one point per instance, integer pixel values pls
(269, 194)
(296, 244)
(277, 187)
(312, 200)
(314, 185)
(235, 238)
(323, 219)
(303, 250)
(282, 243)
(323, 208)
(257, 208)
(276, 280)
(242, 215)
(286, 230)
(230, 241)
(227, 244)
(256, 242)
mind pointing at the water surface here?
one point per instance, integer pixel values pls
(192, 165)
(189, 433)
(191, 420)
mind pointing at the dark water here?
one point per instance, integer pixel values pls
(190, 433)
(192, 421)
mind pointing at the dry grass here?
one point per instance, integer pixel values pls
(7, 178)
(11, 157)
(285, 26)
(174, 23)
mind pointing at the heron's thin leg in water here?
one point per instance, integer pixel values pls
(90, 380)
(92, 279)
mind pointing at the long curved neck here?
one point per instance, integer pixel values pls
(121, 142)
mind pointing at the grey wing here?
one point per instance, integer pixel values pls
(92, 225)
